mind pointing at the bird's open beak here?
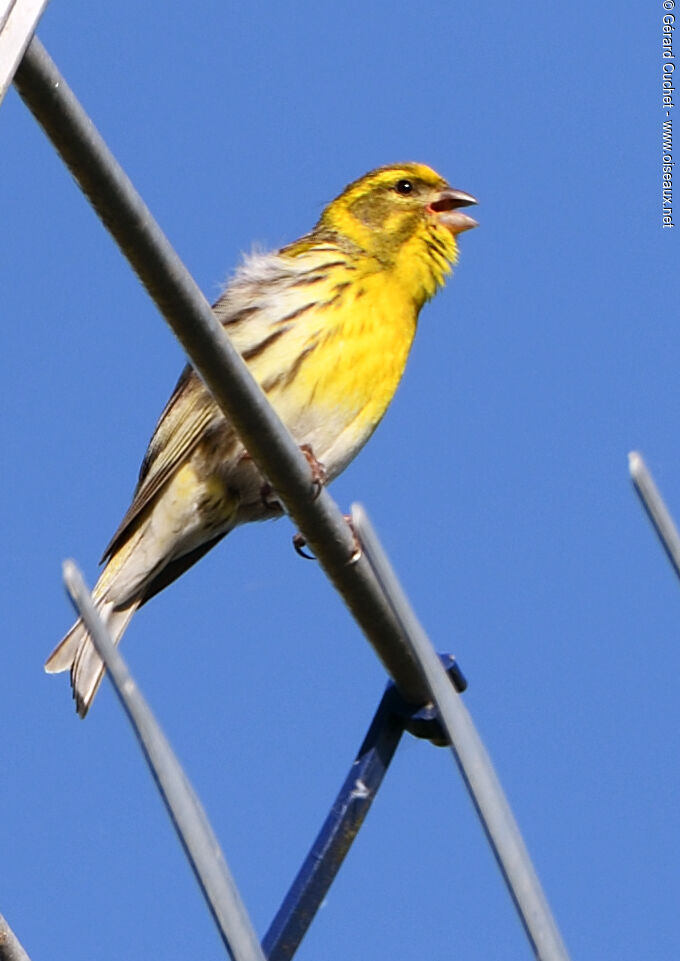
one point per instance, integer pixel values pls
(446, 205)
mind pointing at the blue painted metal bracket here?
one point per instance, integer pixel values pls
(310, 887)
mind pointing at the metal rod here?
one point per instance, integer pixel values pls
(187, 312)
(337, 834)
(473, 761)
(188, 816)
(653, 503)
(10, 949)
(18, 20)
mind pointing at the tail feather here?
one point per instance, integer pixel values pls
(64, 653)
(77, 653)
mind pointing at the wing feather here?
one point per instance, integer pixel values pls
(184, 421)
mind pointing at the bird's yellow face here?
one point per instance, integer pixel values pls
(388, 207)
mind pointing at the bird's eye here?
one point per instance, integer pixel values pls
(403, 187)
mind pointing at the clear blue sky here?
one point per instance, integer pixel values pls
(498, 481)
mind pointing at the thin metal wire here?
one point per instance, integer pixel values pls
(180, 301)
(653, 503)
(185, 809)
(10, 949)
(18, 20)
(473, 761)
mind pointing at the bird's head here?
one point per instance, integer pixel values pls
(405, 216)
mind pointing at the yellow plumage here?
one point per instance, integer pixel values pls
(325, 326)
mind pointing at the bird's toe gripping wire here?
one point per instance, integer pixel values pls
(318, 470)
(319, 477)
(300, 542)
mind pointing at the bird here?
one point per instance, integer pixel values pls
(325, 325)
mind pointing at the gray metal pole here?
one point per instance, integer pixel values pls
(186, 811)
(10, 949)
(18, 20)
(475, 764)
(656, 509)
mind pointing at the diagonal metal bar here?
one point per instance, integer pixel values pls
(10, 949)
(473, 761)
(188, 816)
(349, 810)
(653, 503)
(337, 833)
(187, 312)
(18, 20)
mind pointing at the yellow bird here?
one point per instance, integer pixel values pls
(325, 325)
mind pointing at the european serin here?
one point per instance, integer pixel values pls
(325, 326)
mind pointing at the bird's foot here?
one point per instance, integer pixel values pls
(269, 498)
(319, 478)
(300, 542)
(319, 472)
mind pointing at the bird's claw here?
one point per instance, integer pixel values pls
(319, 479)
(318, 470)
(300, 542)
(269, 498)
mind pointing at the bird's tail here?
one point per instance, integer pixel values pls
(116, 595)
(76, 652)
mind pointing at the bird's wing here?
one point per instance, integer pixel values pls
(185, 419)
